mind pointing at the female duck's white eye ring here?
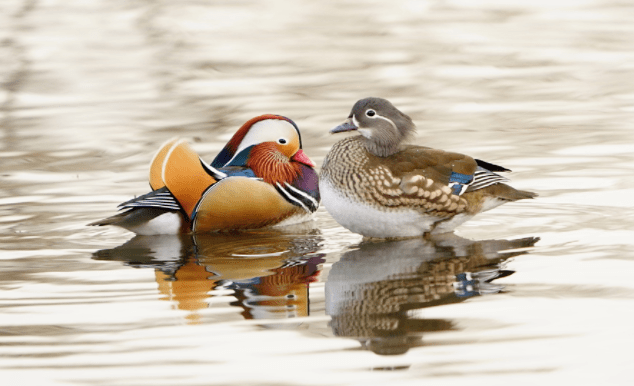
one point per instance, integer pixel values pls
(282, 141)
(370, 113)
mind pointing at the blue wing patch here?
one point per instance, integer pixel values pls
(459, 182)
(469, 284)
(238, 172)
(241, 158)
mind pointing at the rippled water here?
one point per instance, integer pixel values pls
(535, 292)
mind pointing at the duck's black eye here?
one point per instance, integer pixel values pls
(281, 141)
(370, 113)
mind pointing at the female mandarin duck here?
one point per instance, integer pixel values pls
(260, 178)
(375, 186)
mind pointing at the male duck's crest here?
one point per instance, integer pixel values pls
(374, 185)
(263, 128)
(260, 178)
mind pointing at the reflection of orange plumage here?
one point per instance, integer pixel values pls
(288, 287)
(286, 278)
(279, 290)
(268, 270)
(260, 178)
(188, 288)
(282, 294)
(240, 268)
(290, 303)
(257, 266)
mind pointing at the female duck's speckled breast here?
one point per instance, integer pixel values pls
(365, 198)
(344, 167)
(365, 178)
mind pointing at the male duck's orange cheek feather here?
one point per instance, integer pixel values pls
(185, 176)
(272, 166)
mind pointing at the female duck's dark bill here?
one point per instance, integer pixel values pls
(346, 126)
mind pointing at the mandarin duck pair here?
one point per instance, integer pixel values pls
(371, 183)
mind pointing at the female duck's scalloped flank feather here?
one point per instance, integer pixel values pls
(374, 185)
(261, 178)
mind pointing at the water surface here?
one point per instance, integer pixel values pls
(535, 292)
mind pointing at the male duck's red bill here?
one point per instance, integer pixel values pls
(260, 178)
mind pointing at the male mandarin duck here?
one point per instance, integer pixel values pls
(260, 178)
(374, 185)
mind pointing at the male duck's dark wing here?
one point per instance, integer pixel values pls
(141, 210)
(160, 198)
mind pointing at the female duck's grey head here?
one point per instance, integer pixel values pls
(382, 124)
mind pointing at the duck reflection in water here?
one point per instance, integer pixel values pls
(268, 272)
(372, 289)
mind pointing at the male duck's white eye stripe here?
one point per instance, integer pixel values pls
(299, 135)
(268, 130)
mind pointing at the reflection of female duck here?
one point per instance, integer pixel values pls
(370, 290)
(268, 270)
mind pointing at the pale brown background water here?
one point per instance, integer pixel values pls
(90, 89)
